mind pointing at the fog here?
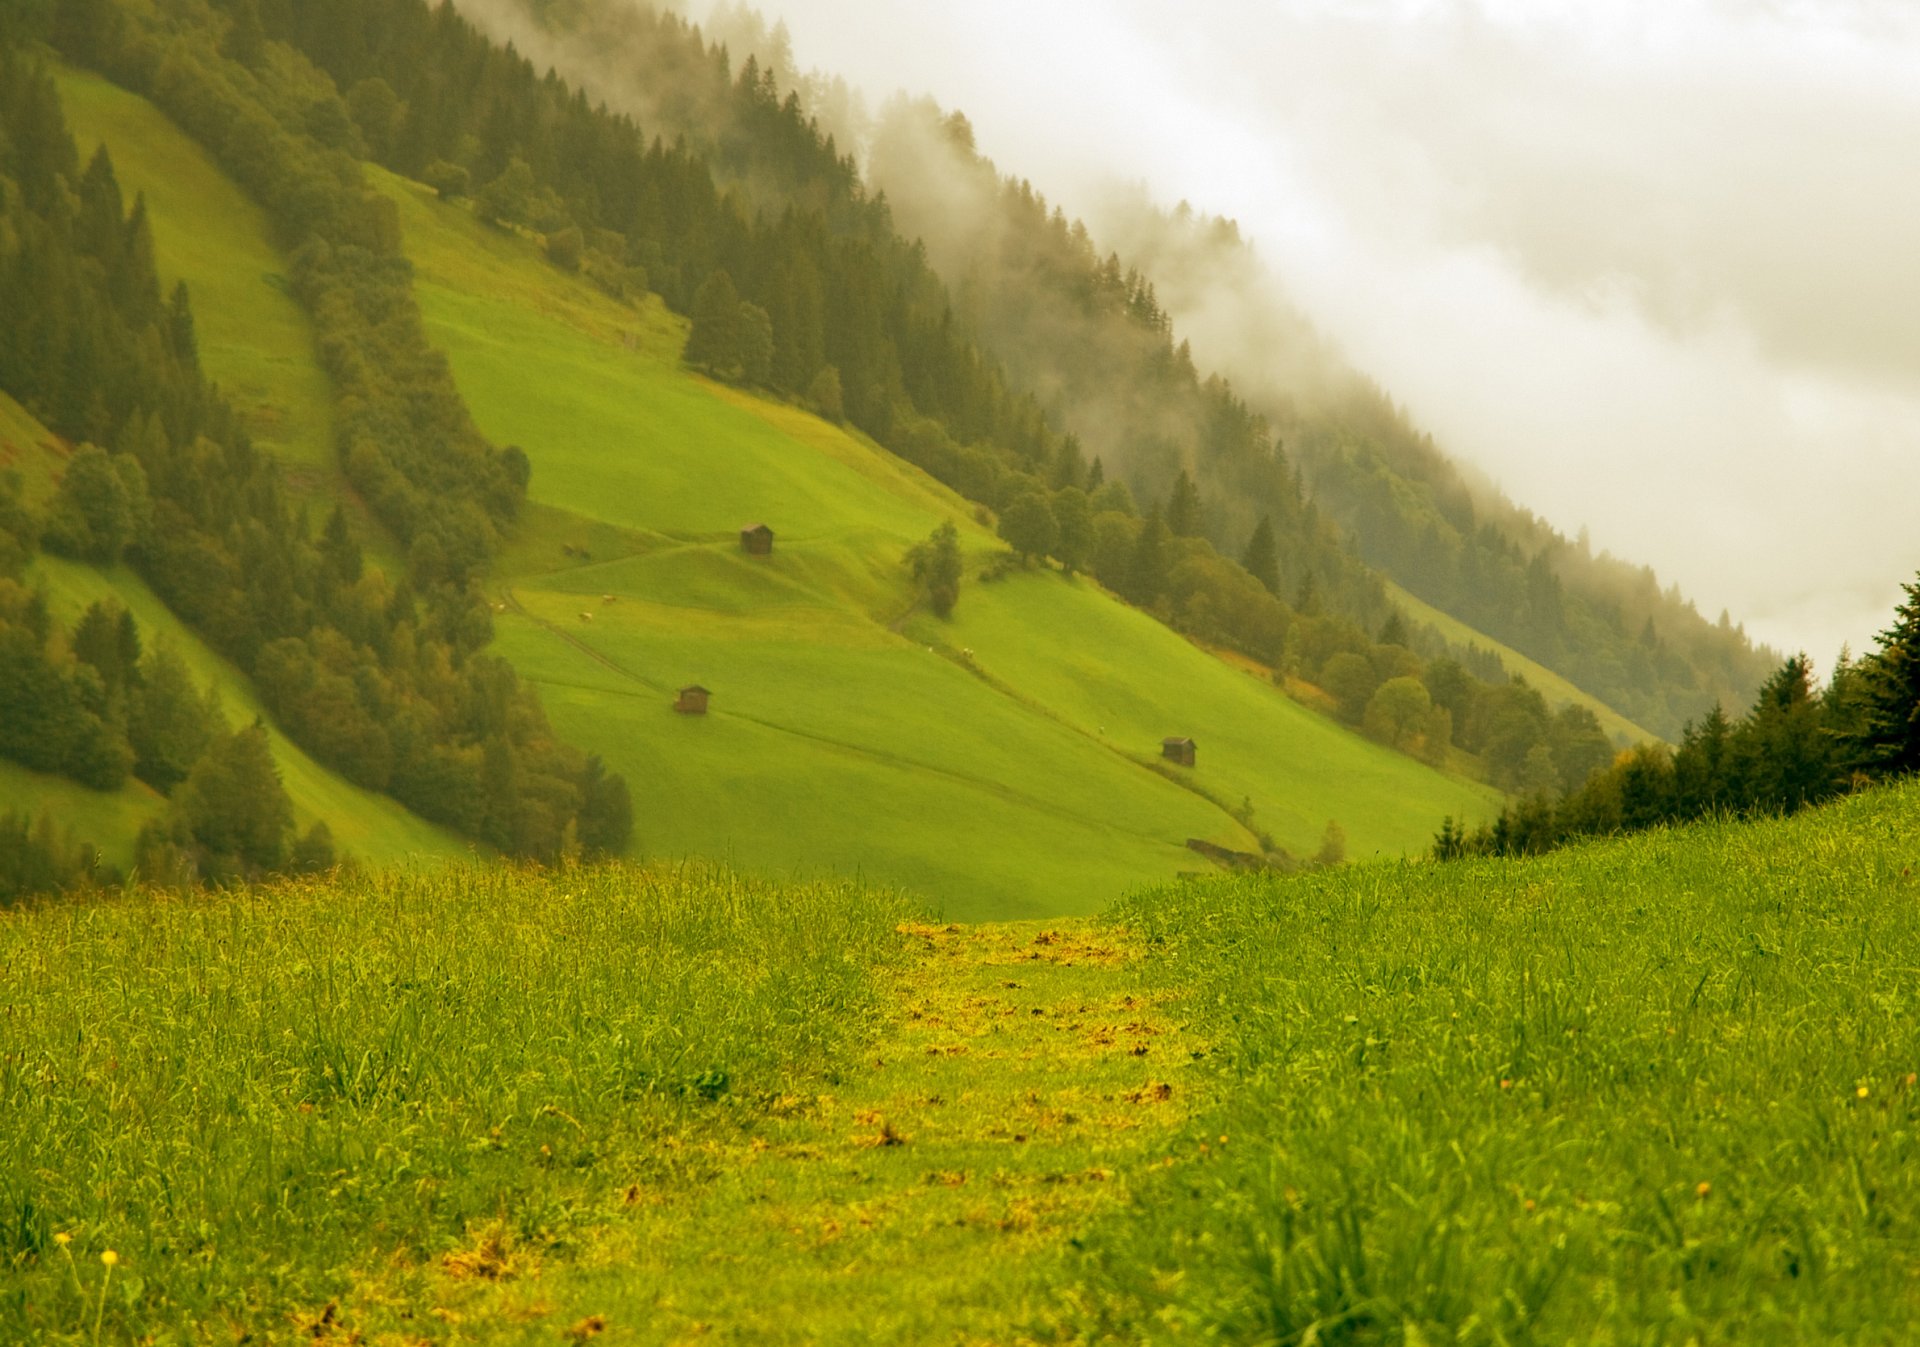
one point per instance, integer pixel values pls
(1650, 266)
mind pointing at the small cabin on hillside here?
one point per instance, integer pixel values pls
(756, 540)
(693, 701)
(1179, 751)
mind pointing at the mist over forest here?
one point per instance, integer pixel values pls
(1643, 269)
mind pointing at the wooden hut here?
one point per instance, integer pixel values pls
(1177, 751)
(756, 540)
(693, 701)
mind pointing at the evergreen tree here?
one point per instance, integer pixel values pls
(606, 810)
(1888, 740)
(1262, 557)
(234, 808)
(755, 335)
(715, 342)
(1147, 572)
(170, 723)
(1183, 508)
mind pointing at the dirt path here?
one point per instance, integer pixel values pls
(930, 1197)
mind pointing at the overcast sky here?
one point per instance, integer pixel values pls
(1654, 267)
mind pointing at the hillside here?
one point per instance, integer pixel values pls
(256, 342)
(1556, 689)
(374, 829)
(846, 732)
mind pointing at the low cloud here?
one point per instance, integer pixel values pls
(1647, 265)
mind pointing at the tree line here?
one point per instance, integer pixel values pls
(383, 678)
(1797, 745)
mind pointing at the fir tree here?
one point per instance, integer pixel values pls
(1262, 557)
(1888, 741)
(714, 343)
(1183, 508)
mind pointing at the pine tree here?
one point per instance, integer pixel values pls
(714, 343)
(1184, 516)
(1262, 557)
(1888, 743)
(1147, 574)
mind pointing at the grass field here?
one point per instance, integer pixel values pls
(841, 736)
(1659, 1089)
(258, 1101)
(1557, 690)
(1655, 1090)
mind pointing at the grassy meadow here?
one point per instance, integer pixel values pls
(256, 1099)
(1659, 1089)
(848, 732)
(1653, 1090)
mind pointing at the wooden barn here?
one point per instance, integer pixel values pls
(756, 540)
(1179, 751)
(693, 701)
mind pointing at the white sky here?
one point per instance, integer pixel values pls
(1653, 265)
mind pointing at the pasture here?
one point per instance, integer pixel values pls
(848, 731)
(1657, 1089)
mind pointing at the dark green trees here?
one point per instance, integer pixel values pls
(1262, 557)
(1029, 527)
(936, 568)
(1887, 741)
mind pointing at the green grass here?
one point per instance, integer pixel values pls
(256, 341)
(1557, 690)
(371, 827)
(1659, 1089)
(258, 1099)
(1299, 769)
(846, 733)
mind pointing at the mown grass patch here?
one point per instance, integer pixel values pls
(1659, 1089)
(249, 1095)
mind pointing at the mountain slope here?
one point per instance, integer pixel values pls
(1021, 778)
(847, 730)
(255, 340)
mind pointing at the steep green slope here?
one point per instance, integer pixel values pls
(1557, 690)
(847, 731)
